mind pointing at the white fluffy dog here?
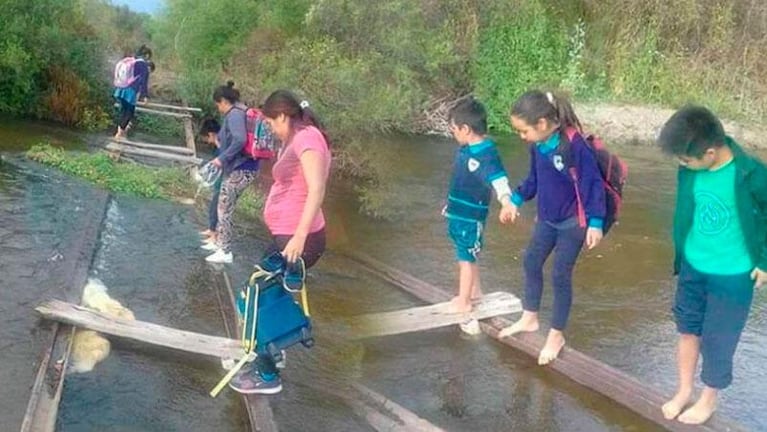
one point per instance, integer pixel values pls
(89, 347)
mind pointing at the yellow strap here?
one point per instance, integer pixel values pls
(228, 377)
(245, 319)
(304, 300)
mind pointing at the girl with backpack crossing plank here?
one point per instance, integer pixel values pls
(131, 81)
(566, 180)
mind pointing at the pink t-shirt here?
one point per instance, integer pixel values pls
(289, 191)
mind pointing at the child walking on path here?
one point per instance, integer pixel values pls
(720, 237)
(133, 89)
(565, 178)
(477, 171)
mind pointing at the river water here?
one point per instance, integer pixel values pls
(148, 256)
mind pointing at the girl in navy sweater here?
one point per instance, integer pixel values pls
(565, 178)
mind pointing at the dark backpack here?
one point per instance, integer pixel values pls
(614, 173)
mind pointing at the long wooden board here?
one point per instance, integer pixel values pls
(259, 410)
(166, 106)
(141, 331)
(140, 108)
(153, 153)
(433, 316)
(45, 395)
(591, 373)
(175, 149)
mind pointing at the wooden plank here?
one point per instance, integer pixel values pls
(153, 153)
(591, 373)
(433, 316)
(175, 149)
(189, 136)
(166, 106)
(140, 108)
(42, 408)
(141, 331)
(259, 411)
(404, 419)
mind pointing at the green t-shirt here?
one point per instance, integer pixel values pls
(716, 244)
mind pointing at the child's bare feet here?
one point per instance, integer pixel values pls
(702, 410)
(672, 408)
(555, 341)
(528, 323)
(207, 233)
(459, 305)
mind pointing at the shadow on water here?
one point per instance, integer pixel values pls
(150, 259)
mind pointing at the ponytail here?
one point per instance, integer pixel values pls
(227, 92)
(299, 113)
(535, 105)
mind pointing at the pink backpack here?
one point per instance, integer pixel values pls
(124, 72)
(260, 143)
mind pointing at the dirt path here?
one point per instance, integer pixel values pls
(641, 124)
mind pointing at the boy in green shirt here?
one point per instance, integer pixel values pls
(720, 237)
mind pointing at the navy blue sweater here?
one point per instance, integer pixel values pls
(550, 180)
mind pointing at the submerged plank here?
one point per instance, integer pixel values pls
(258, 408)
(80, 316)
(433, 316)
(139, 144)
(43, 406)
(153, 153)
(591, 373)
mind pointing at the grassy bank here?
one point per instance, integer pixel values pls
(135, 180)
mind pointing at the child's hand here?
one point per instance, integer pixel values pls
(593, 237)
(759, 277)
(509, 213)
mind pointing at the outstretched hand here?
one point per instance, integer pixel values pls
(593, 237)
(759, 277)
(509, 213)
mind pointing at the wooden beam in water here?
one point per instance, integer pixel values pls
(139, 144)
(43, 406)
(258, 408)
(114, 146)
(189, 137)
(591, 373)
(140, 108)
(432, 316)
(404, 419)
(142, 331)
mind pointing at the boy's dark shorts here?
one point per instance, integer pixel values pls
(466, 237)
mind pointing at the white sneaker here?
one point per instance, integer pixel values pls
(220, 257)
(212, 246)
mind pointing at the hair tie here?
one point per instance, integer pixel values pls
(550, 97)
(304, 104)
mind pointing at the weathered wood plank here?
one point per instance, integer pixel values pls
(433, 316)
(591, 373)
(142, 109)
(258, 408)
(141, 331)
(42, 408)
(139, 144)
(406, 420)
(189, 136)
(166, 106)
(153, 153)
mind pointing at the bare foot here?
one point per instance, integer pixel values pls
(672, 408)
(459, 305)
(528, 323)
(555, 341)
(702, 410)
(207, 233)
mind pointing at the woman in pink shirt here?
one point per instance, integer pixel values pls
(293, 211)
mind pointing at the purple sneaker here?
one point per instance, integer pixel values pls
(250, 382)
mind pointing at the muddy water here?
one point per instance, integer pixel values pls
(149, 258)
(621, 313)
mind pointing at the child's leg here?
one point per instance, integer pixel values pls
(476, 290)
(728, 302)
(568, 246)
(689, 309)
(540, 247)
(462, 302)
